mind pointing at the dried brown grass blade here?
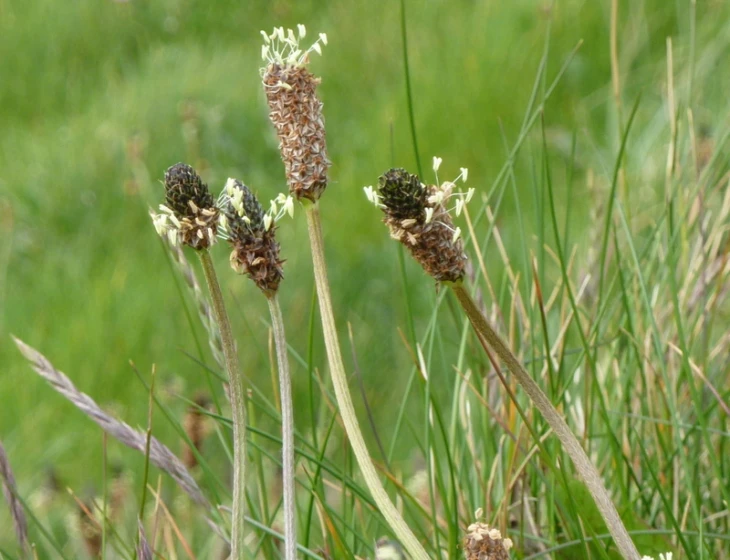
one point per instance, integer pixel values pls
(159, 454)
(16, 508)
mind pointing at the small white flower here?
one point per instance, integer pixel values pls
(436, 198)
(457, 234)
(464, 173)
(459, 206)
(160, 223)
(429, 215)
(302, 31)
(268, 220)
(281, 198)
(372, 196)
(436, 163)
(507, 544)
(230, 186)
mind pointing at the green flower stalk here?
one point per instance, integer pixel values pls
(296, 113)
(190, 217)
(251, 233)
(417, 215)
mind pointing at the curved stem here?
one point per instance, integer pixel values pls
(287, 429)
(344, 399)
(237, 393)
(583, 464)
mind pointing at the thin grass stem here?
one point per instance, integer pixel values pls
(583, 464)
(344, 399)
(238, 406)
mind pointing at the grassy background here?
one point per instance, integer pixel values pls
(98, 98)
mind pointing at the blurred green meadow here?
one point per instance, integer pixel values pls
(98, 98)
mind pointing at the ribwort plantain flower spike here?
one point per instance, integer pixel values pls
(485, 543)
(296, 111)
(251, 232)
(417, 216)
(189, 215)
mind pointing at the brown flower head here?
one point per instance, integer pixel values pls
(250, 230)
(416, 216)
(485, 543)
(189, 215)
(296, 111)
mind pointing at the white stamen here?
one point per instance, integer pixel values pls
(268, 220)
(230, 185)
(317, 48)
(429, 215)
(459, 206)
(265, 52)
(464, 173)
(436, 198)
(289, 206)
(174, 220)
(323, 38)
(469, 194)
(436, 163)
(457, 234)
(267, 39)
(302, 31)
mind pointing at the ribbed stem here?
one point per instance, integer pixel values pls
(583, 464)
(342, 393)
(237, 393)
(287, 429)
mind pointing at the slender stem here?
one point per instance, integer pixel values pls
(344, 399)
(580, 459)
(238, 406)
(287, 429)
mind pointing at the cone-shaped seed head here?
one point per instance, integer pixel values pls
(189, 200)
(424, 227)
(484, 543)
(296, 113)
(255, 250)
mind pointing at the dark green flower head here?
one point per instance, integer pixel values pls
(403, 194)
(189, 215)
(243, 204)
(183, 186)
(251, 232)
